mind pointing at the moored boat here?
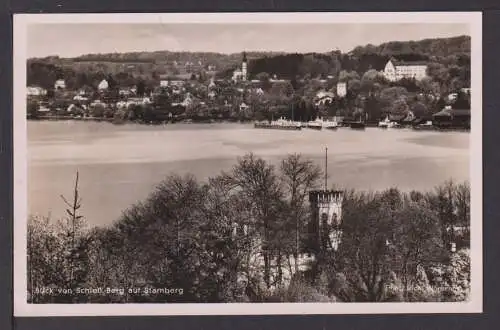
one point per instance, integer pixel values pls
(384, 123)
(331, 125)
(315, 124)
(357, 125)
(428, 125)
(395, 125)
(281, 123)
(387, 123)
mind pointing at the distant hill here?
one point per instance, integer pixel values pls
(166, 56)
(127, 68)
(438, 47)
(455, 50)
(91, 68)
(162, 62)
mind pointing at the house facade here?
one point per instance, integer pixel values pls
(395, 70)
(323, 98)
(341, 89)
(243, 106)
(59, 84)
(103, 85)
(80, 98)
(85, 91)
(35, 91)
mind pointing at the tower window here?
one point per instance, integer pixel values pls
(335, 219)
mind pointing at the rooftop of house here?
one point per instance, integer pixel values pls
(396, 62)
(452, 112)
(397, 117)
(323, 94)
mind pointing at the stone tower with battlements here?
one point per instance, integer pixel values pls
(326, 219)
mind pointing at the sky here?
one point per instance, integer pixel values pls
(70, 40)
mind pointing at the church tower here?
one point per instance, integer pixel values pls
(244, 67)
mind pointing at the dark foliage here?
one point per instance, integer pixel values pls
(238, 237)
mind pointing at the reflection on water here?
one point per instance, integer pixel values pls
(119, 165)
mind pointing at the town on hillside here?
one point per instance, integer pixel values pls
(391, 85)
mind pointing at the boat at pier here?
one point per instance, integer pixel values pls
(282, 123)
(387, 123)
(315, 124)
(384, 123)
(331, 125)
(320, 123)
(357, 125)
(427, 126)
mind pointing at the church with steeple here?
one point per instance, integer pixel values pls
(241, 73)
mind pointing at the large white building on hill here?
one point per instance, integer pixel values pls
(396, 70)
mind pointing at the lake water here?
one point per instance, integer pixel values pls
(120, 165)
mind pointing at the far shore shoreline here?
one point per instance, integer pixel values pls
(215, 121)
(121, 122)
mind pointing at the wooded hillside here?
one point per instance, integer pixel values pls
(127, 68)
(447, 51)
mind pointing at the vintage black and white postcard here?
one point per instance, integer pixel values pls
(247, 163)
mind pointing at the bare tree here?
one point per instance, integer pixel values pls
(298, 176)
(258, 184)
(462, 206)
(416, 242)
(364, 256)
(74, 220)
